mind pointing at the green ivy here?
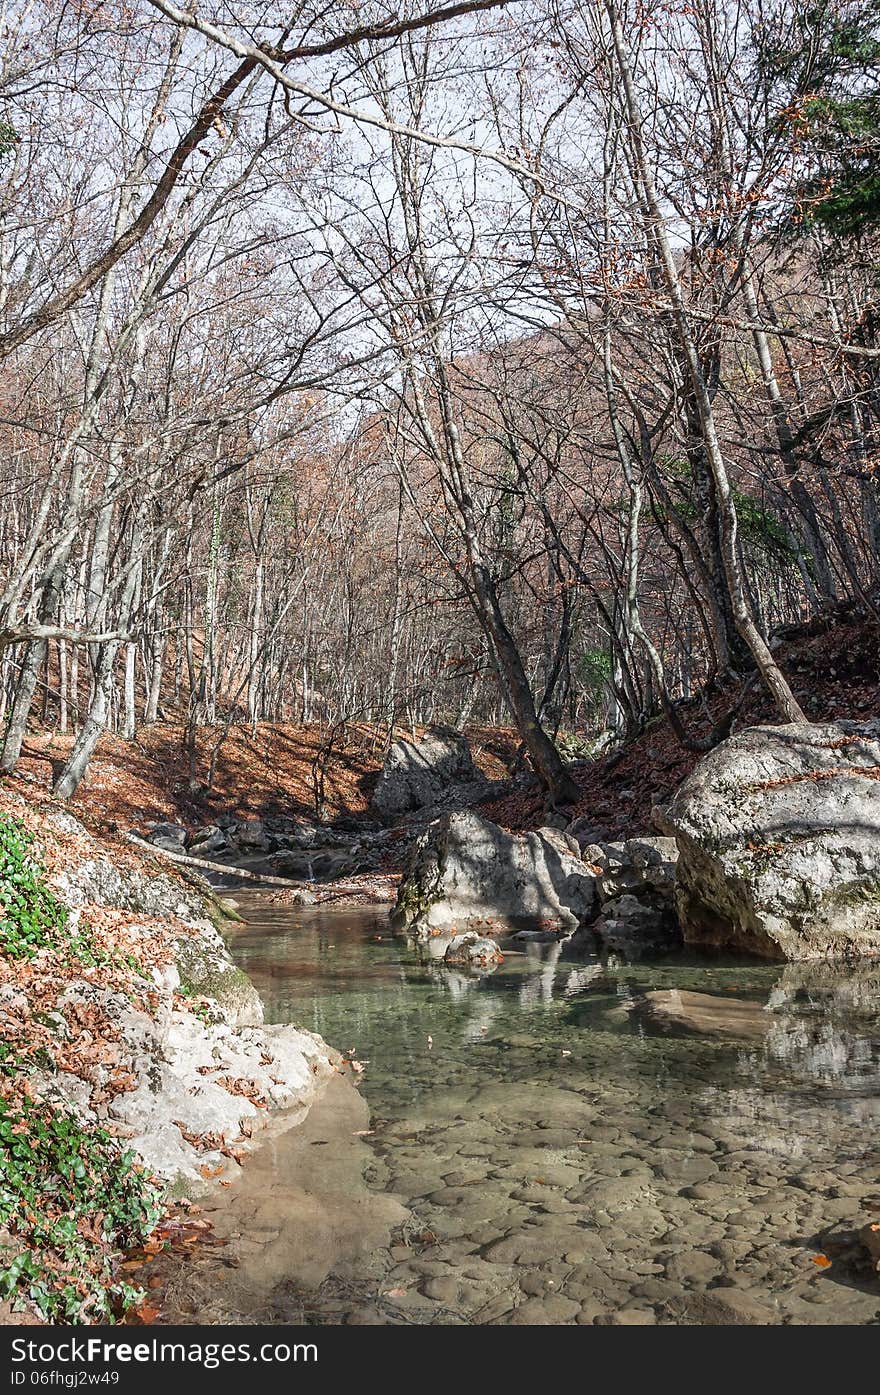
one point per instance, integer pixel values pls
(71, 1198)
(32, 916)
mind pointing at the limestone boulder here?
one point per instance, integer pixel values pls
(206, 970)
(641, 867)
(778, 833)
(170, 837)
(101, 882)
(465, 872)
(418, 774)
(252, 836)
(209, 841)
(212, 1084)
(635, 886)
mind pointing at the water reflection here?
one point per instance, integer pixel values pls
(820, 1022)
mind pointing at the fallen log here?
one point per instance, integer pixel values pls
(187, 860)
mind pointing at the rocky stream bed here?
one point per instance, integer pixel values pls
(670, 1141)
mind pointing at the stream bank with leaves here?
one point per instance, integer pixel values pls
(134, 1062)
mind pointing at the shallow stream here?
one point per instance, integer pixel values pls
(560, 1157)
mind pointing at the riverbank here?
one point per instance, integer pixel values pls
(134, 1061)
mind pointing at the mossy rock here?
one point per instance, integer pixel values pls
(206, 970)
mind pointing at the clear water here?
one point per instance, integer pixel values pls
(565, 1160)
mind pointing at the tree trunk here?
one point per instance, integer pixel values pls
(34, 657)
(764, 661)
(75, 767)
(548, 763)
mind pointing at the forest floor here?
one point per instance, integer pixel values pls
(267, 774)
(833, 667)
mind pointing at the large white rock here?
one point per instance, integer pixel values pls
(199, 1094)
(465, 872)
(778, 832)
(417, 774)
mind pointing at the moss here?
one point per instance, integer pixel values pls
(417, 894)
(228, 910)
(222, 914)
(856, 894)
(205, 971)
(219, 909)
(227, 986)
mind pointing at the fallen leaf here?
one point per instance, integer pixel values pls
(147, 1313)
(821, 1261)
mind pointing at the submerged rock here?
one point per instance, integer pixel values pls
(778, 832)
(869, 1235)
(472, 949)
(465, 871)
(684, 1013)
(417, 774)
